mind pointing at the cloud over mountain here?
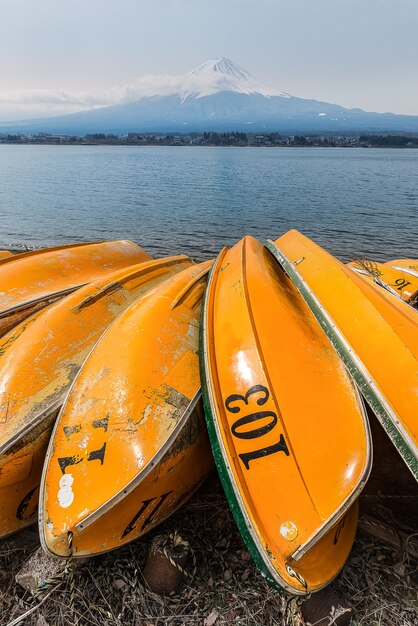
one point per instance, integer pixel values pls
(216, 95)
(208, 78)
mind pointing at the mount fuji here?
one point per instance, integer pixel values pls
(217, 95)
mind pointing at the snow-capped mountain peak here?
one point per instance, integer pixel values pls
(210, 78)
(222, 65)
(222, 74)
(207, 79)
(216, 95)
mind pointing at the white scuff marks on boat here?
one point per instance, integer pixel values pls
(65, 493)
(289, 531)
(84, 441)
(83, 512)
(147, 412)
(192, 333)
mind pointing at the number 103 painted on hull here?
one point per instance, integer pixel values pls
(287, 426)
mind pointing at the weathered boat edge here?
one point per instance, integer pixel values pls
(45, 299)
(354, 365)
(145, 471)
(31, 425)
(37, 419)
(377, 281)
(407, 270)
(42, 485)
(244, 526)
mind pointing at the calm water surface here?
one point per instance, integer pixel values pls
(195, 200)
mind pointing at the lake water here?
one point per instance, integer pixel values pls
(195, 200)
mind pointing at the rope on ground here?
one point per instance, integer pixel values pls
(174, 541)
(294, 603)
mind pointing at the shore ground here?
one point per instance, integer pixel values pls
(225, 588)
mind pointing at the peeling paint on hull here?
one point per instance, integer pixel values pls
(41, 357)
(131, 434)
(31, 280)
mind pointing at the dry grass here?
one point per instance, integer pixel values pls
(378, 581)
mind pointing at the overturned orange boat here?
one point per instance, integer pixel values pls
(39, 360)
(410, 266)
(375, 334)
(30, 281)
(129, 446)
(394, 279)
(287, 426)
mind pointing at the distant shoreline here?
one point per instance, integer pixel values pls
(214, 139)
(124, 145)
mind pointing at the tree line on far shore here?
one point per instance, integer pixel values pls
(213, 138)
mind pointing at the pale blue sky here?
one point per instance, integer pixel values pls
(352, 52)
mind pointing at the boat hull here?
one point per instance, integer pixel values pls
(375, 335)
(20, 472)
(173, 480)
(128, 436)
(408, 265)
(32, 280)
(395, 280)
(39, 361)
(274, 391)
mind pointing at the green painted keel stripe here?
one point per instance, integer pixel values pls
(221, 465)
(356, 368)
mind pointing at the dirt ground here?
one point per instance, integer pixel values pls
(224, 587)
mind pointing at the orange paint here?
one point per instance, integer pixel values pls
(406, 264)
(127, 448)
(379, 334)
(286, 423)
(31, 280)
(40, 358)
(396, 280)
(20, 473)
